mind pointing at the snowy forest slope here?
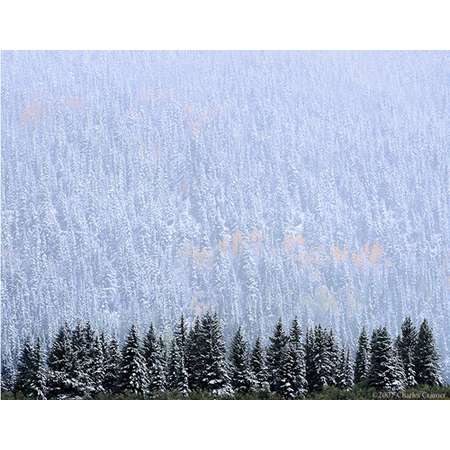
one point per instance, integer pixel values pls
(140, 185)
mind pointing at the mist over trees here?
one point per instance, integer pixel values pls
(139, 186)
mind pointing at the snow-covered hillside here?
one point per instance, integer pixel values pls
(139, 185)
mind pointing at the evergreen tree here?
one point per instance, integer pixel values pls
(7, 377)
(155, 362)
(383, 372)
(213, 366)
(241, 379)
(259, 367)
(31, 376)
(61, 365)
(296, 362)
(344, 373)
(194, 356)
(112, 364)
(362, 360)
(333, 352)
(311, 373)
(426, 358)
(278, 363)
(322, 359)
(406, 348)
(177, 374)
(133, 372)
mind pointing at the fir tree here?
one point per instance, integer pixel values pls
(7, 377)
(177, 374)
(241, 379)
(133, 372)
(31, 375)
(154, 358)
(344, 373)
(213, 366)
(296, 362)
(426, 358)
(194, 356)
(406, 348)
(383, 372)
(333, 352)
(61, 365)
(309, 359)
(362, 360)
(322, 360)
(277, 361)
(259, 367)
(112, 362)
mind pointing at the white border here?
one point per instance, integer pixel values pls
(225, 24)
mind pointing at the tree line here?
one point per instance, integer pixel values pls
(84, 363)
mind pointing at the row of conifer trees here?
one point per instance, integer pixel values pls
(82, 363)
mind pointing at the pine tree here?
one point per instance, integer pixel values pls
(277, 361)
(61, 365)
(213, 366)
(194, 356)
(112, 363)
(31, 376)
(311, 373)
(322, 359)
(362, 360)
(155, 362)
(344, 373)
(177, 377)
(296, 362)
(7, 377)
(259, 367)
(383, 372)
(241, 379)
(133, 372)
(406, 347)
(426, 358)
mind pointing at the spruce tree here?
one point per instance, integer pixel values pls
(344, 373)
(333, 352)
(61, 364)
(259, 367)
(406, 347)
(426, 359)
(311, 373)
(241, 379)
(296, 362)
(323, 360)
(278, 363)
(154, 358)
(362, 360)
(177, 377)
(133, 371)
(7, 377)
(213, 366)
(112, 364)
(383, 372)
(31, 374)
(194, 356)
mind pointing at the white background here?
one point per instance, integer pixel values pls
(226, 24)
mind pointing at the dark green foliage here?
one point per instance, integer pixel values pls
(362, 360)
(344, 372)
(133, 371)
(154, 356)
(384, 370)
(241, 377)
(296, 373)
(406, 348)
(7, 377)
(177, 374)
(213, 366)
(31, 373)
(84, 364)
(112, 361)
(278, 363)
(426, 358)
(259, 367)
